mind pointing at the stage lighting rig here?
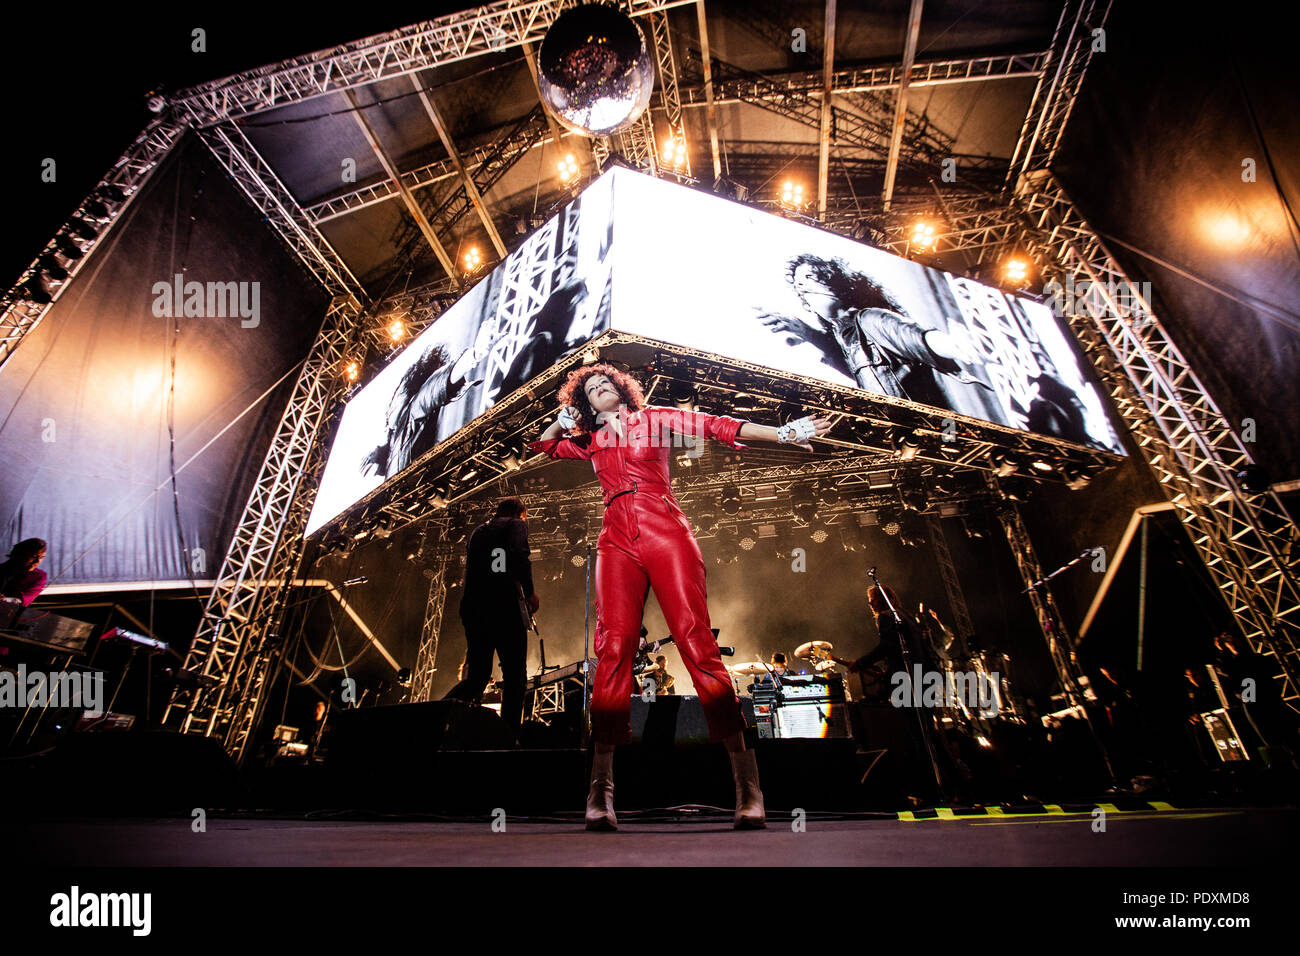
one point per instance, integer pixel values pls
(792, 195)
(911, 531)
(674, 152)
(1003, 464)
(473, 260)
(729, 500)
(803, 504)
(913, 495)
(568, 170)
(923, 236)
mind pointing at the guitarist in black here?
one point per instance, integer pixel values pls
(496, 609)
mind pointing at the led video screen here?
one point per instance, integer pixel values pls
(697, 270)
(548, 297)
(685, 267)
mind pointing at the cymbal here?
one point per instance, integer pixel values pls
(804, 651)
(748, 668)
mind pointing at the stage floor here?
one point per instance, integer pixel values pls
(1165, 837)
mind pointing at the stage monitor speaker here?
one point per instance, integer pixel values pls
(374, 735)
(676, 719)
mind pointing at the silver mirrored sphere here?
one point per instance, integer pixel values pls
(595, 71)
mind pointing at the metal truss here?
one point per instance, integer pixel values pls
(235, 638)
(426, 658)
(669, 96)
(273, 200)
(1059, 81)
(1060, 644)
(42, 283)
(912, 436)
(529, 131)
(448, 39)
(1247, 540)
(924, 145)
(877, 79)
(951, 583)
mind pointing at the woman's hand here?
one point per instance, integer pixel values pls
(799, 431)
(568, 417)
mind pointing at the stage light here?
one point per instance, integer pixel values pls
(913, 497)
(729, 500)
(1015, 269)
(683, 396)
(578, 560)
(34, 291)
(1003, 464)
(568, 169)
(923, 235)
(1076, 478)
(792, 195)
(747, 543)
(51, 269)
(819, 535)
(590, 357)
(851, 536)
(911, 531)
(674, 152)
(575, 534)
(396, 330)
(804, 505)
(888, 522)
(905, 444)
(67, 248)
(351, 371)
(473, 259)
(510, 462)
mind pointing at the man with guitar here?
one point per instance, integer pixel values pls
(496, 609)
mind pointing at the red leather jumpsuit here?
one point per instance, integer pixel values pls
(646, 542)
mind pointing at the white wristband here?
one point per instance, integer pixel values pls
(566, 419)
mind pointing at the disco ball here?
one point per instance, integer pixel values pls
(594, 71)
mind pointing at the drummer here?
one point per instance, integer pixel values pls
(778, 666)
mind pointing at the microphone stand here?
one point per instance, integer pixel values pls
(1087, 552)
(585, 737)
(907, 666)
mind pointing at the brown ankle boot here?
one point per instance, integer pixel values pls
(600, 800)
(750, 814)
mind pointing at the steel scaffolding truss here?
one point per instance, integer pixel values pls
(426, 657)
(1247, 540)
(281, 211)
(235, 639)
(491, 28)
(53, 271)
(951, 582)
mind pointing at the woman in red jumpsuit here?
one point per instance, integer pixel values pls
(646, 542)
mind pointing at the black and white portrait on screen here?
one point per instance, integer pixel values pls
(697, 270)
(548, 298)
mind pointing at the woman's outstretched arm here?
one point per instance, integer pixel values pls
(771, 432)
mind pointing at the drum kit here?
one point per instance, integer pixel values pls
(817, 653)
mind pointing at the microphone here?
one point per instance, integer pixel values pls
(351, 581)
(727, 651)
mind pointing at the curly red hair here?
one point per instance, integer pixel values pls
(573, 393)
